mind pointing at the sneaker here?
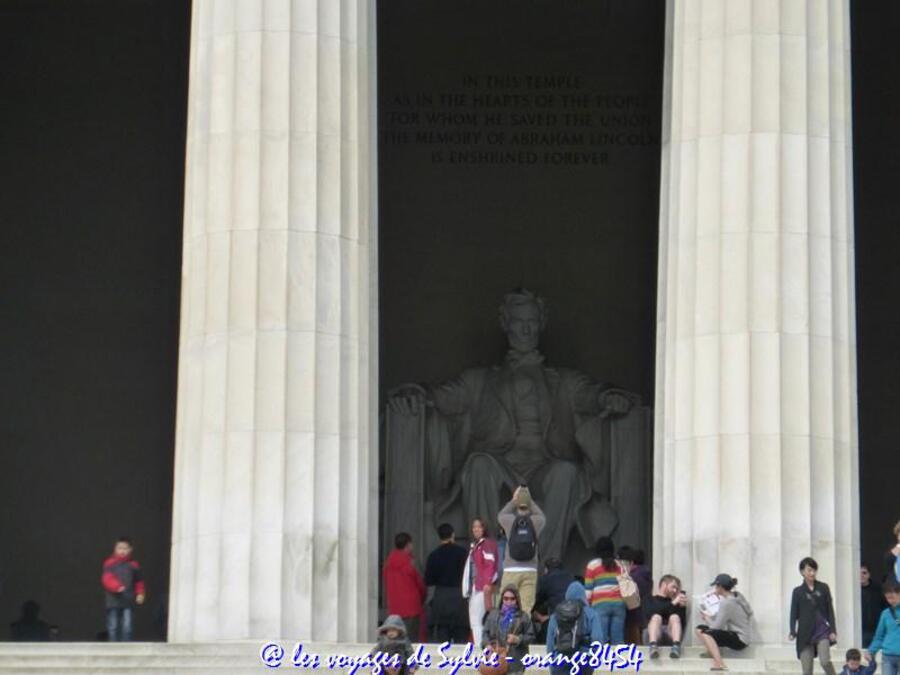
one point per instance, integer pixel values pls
(654, 652)
(676, 652)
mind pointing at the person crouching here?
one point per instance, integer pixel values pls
(393, 640)
(508, 628)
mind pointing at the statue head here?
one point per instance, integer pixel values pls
(523, 317)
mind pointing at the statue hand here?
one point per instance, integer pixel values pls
(615, 403)
(408, 400)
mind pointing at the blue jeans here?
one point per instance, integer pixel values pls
(118, 624)
(611, 617)
(890, 664)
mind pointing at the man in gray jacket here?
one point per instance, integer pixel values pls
(522, 520)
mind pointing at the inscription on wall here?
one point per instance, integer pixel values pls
(551, 119)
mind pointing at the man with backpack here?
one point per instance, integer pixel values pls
(522, 520)
(572, 629)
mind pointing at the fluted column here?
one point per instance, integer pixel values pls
(275, 478)
(756, 441)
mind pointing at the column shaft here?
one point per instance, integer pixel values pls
(275, 477)
(756, 445)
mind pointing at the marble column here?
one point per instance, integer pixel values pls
(275, 509)
(756, 427)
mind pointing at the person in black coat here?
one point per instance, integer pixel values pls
(812, 619)
(873, 603)
(552, 585)
(444, 570)
(551, 590)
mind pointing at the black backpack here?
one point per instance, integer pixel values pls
(570, 626)
(522, 542)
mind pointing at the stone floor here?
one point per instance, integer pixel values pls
(244, 657)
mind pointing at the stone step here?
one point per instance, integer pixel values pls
(244, 656)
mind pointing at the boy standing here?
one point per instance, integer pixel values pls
(124, 585)
(887, 635)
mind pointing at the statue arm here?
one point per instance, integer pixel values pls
(452, 397)
(586, 395)
(590, 398)
(448, 398)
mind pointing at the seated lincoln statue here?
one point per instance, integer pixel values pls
(458, 449)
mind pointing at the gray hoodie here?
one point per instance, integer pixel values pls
(735, 614)
(399, 645)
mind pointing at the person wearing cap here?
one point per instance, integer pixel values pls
(523, 521)
(731, 626)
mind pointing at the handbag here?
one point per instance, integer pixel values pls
(502, 666)
(631, 596)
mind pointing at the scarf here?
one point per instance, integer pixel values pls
(507, 614)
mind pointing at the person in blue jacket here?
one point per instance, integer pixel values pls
(887, 635)
(573, 620)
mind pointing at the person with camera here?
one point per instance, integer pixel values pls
(666, 616)
(522, 520)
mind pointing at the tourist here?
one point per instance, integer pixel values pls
(572, 628)
(641, 575)
(444, 571)
(522, 520)
(887, 635)
(553, 583)
(30, 627)
(394, 640)
(894, 556)
(551, 590)
(123, 583)
(634, 618)
(853, 664)
(731, 626)
(666, 616)
(508, 627)
(479, 577)
(404, 588)
(601, 580)
(873, 603)
(812, 621)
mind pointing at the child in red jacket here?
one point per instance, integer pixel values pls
(124, 585)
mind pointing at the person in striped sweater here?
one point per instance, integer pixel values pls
(601, 583)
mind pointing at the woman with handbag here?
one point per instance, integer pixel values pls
(479, 576)
(602, 578)
(508, 632)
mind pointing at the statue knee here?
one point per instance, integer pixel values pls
(481, 467)
(562, 472)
